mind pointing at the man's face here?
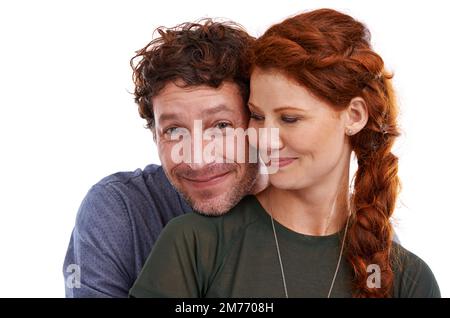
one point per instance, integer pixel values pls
(211, 188)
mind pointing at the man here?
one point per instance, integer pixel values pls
(196, 71)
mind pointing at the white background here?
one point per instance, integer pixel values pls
(67, 117)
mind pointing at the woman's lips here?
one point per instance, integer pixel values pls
(282, 162)
(207, 181)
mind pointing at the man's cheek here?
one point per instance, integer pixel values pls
(165, 154)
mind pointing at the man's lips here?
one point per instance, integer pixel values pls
(207, 181)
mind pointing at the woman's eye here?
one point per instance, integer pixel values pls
(222, 125)
(256, 116)
(289, 120)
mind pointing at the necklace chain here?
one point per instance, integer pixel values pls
(281, 262)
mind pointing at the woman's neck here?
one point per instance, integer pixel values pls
(317, 210)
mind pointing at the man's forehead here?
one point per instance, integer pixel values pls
(174, 101)
(171, 113)
(178, 89)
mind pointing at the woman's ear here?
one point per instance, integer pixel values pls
(356, 116)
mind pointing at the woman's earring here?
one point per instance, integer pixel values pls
(349, 132)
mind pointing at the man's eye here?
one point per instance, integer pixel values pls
(171, 130)
(222, 125)
(256, 116)
(289, 119)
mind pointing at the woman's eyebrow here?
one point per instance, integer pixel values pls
(253, 105)
(279, 109)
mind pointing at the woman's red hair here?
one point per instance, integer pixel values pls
(330, 53)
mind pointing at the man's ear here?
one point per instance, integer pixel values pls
(356, 116)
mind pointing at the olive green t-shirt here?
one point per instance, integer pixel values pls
(235, 255)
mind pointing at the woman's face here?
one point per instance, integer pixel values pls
(312, 145)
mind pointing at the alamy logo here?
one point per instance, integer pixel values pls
(374, 279)
(74, 278)
(228, 145)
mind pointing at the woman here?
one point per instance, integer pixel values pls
(316, 79)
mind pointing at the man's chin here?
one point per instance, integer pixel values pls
(211, 213)
(214, 206)
(218, 200)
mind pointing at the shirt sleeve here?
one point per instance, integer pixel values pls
(100, 247)
(175, 267)
(417, 279)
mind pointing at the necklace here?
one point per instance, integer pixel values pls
(281, 262)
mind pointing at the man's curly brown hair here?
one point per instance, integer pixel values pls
(201, 53)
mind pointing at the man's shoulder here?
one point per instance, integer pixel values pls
(116, 226)
(142, 187)
(140, 197)
(150, 173)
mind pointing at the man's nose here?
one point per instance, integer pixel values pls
(201, 153)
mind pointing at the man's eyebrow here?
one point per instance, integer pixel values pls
(168, 116)
(210, 111)
(217, 109)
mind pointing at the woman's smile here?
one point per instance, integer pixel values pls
(282, 162)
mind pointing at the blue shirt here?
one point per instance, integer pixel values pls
(117, 225)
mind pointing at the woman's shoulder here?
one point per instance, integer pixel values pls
(413, 277)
